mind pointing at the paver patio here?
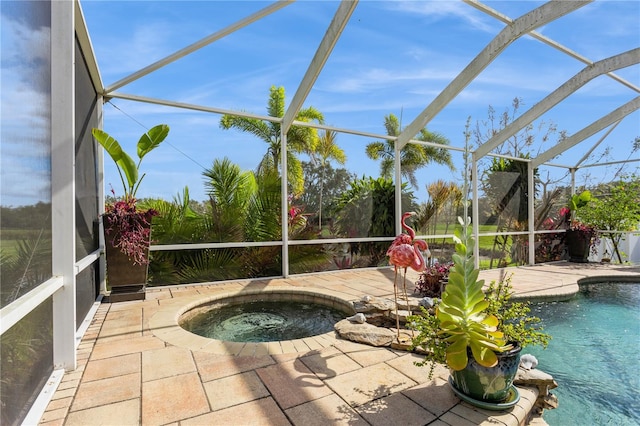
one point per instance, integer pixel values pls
(128, 373)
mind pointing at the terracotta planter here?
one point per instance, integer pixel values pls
(578, 245)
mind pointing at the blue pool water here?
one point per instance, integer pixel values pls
(594, 355)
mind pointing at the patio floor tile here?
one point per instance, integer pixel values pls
(329, 363)
(234, 390)
(405, 363)
(292, 383)
(395, 409)
(361, 386)
(436, 396)
(255, 413)
(121, 413)
(370, 355)
(125, 346)
(326, 410)
(211, 366)
(172, 399)
(107, 391)
(112, 367)
(166, 362)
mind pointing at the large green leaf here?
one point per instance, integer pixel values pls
(124, 162)
(152, 139)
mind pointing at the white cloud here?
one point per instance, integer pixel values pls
(25, 158)
(437, 10)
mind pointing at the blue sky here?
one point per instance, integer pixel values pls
(393, 57)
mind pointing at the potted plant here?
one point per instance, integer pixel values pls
(432, 279)
(581, 238)
(615, 210)
(477, 334)
(127, 228)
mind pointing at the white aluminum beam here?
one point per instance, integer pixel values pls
(588, 131)
(546, 40)
(193, 107)
(531, 213)
(519, 27)
(595, 145)
(199, 44)
(587, 74)
(21, 307)
(331, 36)
(284, 203)
(612, 163)
(63, 218)
(87, 48)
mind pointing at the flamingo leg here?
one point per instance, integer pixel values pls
(406, 297)
(404, 287)
(395, 296)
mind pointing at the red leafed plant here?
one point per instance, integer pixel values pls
(129, 229)
(429, 283)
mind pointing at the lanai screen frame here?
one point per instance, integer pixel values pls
(515, 28)
(68, 22)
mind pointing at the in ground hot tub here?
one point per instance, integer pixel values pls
(266, 316)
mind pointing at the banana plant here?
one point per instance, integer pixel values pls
(148, 141)
(463, 320)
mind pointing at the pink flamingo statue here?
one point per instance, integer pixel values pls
(404, 252)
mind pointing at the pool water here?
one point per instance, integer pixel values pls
(264, 321)
(594, 355)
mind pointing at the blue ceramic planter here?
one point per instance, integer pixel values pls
(491, 384)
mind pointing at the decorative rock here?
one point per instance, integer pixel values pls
(413, 304)
(402, 315)
(548, 402)
(534, 378)
(427, 302)
(528, 361)
(364, 333)
(403, 343)
(376, 318)
(358, 318)
(374, 305)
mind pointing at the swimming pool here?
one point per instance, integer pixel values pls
(594, 355)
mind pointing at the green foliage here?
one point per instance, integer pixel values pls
(25, 355)
(326, 180)
(326, 151)
(412, 156)
(147, 142)
(299, 139)
(515, 319)
(230, 191)
(617, 208)
(366, 209)
(241, 208)
(505, 184)
(578, 201)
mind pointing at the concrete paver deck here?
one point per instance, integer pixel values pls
(135, 368)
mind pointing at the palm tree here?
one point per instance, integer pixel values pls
(299, 139)
(229, 189)
(413, 156)
(326, 151)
